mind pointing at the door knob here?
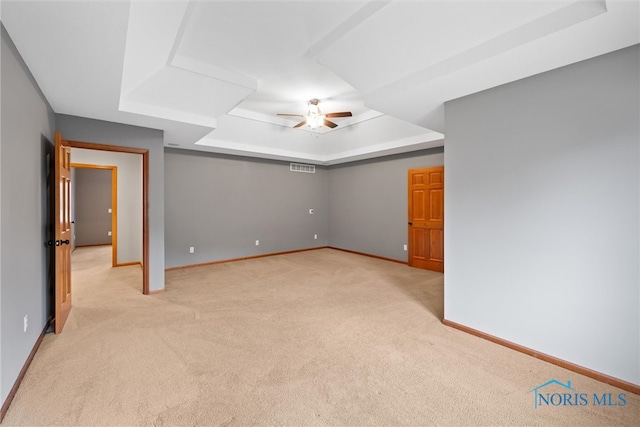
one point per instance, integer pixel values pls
(410, 223)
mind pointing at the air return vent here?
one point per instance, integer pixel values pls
(300, 167)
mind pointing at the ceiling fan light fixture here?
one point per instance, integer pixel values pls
(314, 121)
(315, 118)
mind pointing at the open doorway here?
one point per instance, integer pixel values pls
(132, 254)
(94, 207)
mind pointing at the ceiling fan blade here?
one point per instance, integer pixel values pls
(304, 122)
(291, 115)
(340, 114)
(330, 124)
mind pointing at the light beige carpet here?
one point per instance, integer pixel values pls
(314, 338)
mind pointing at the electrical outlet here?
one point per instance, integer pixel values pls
(26, 322)
(109, 210)
(108, 233)
(315, 236)
(191, 249)
(257, 242)
(405, 247)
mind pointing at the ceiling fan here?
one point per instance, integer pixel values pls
(316, 118)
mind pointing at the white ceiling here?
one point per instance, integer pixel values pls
(214, 74)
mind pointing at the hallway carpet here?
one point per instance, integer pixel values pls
(316, 338)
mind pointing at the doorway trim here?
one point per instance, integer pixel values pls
(145, 198)
(114, 205)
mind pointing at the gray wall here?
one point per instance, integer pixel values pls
(368, 204)
(101, 132)
(27, 126)
(542, 213)
(91, 207)
(222, 204)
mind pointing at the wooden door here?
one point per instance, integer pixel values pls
(63, 231)
(426, 218)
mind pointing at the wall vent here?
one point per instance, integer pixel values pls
(300, 167)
